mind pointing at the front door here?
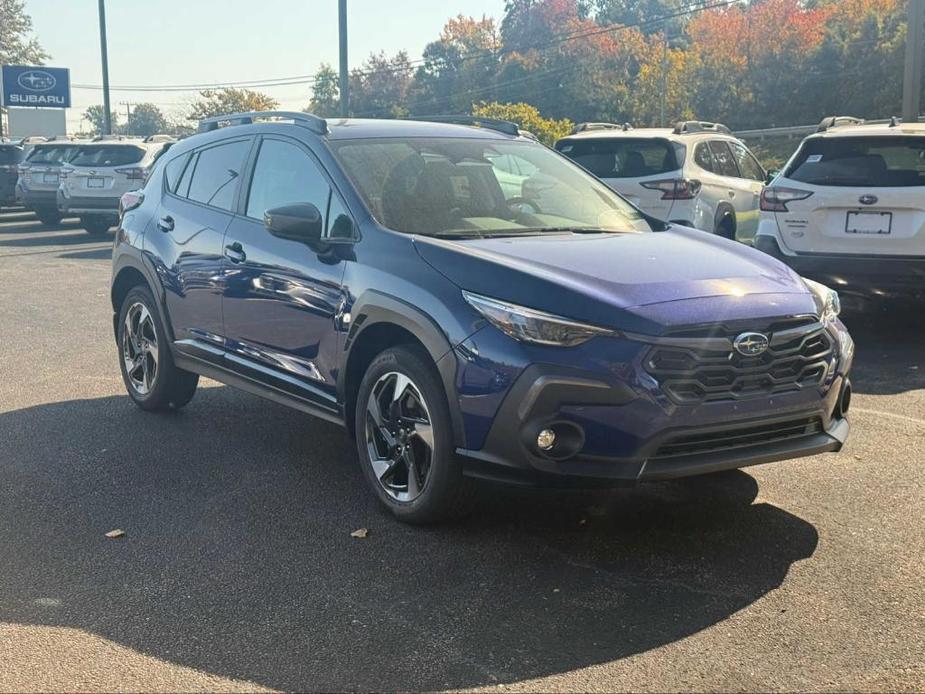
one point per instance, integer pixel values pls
(283, 298)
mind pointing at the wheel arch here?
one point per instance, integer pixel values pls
(380, 321)
(129, 272)
(725, 211)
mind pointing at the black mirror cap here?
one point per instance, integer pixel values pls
(299, 221)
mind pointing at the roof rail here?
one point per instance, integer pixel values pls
(834, 121)
(582, 127)
(697, 126)
(317, 125)
(502, 126)
(113, 138)
(160, 138)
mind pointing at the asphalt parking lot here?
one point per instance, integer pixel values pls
(238, 570)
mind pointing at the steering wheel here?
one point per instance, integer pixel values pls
(520, 200)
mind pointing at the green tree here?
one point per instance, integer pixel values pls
(379, 89)
(95, 115)
(650, 15)
(217, 102)
(325, 92)
(145, 120)
(548, 130)
(17, 46)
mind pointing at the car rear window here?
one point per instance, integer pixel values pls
(52, 154)
(870, 162)
(108, 155)
(10, 154)
(624, 157)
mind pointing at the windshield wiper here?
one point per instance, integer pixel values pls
(456, 234)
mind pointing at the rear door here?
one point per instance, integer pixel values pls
(748, 191)
(866, 196)
(741, 193)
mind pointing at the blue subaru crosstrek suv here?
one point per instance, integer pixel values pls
(469, 304)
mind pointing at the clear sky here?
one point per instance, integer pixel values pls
(161, 42)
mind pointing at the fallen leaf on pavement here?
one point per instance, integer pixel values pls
(115, 533)
(361, 533)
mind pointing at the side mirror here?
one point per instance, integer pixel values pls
(771, 175)
(299, 221)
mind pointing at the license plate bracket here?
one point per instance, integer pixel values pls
(50, 178)
(869, 222)
(96, 182)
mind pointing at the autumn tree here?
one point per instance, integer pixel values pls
(379, 89)
(216, 102)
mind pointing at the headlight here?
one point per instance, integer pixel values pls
(827, 300)
(527, 325)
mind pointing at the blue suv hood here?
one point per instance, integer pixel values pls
(620, 279)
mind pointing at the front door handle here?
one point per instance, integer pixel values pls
(165, 224)
(235, 252)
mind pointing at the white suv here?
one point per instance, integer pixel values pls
(96, 178)
(696, 174)
(848, 209)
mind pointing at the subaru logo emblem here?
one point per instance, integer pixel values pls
(867, 199)
(751, 344)
(37, 81)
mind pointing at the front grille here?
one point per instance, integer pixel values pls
(706, 368)
(693, 444)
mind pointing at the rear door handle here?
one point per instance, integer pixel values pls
(165, 224)
(235, 253)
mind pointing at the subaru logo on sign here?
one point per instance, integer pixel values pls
(37, 81)
(867, 199)
(751, 344)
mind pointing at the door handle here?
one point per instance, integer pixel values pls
(235, 252)
(165, 224)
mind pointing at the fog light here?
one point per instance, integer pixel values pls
(546, 439)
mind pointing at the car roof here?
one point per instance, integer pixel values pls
(874, 130)
(643, 133)
(357, 128)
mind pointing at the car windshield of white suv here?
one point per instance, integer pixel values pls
(460, 187)
(108, 155)
(624, 157)
(871, 162)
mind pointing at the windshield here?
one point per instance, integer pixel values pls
(449, 187)
(108, 155)
(624, 157)
(54, 154)
(871, 162)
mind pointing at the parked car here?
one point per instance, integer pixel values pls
(10, 157)
(696, 174)
(378, 275)
(95, 179)
(849, 208)
(39, 177)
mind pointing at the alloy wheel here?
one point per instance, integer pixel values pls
(399, 436)
(139, 348)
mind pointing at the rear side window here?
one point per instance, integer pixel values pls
(10, 155)
(703, 157)
(723, 163)
(108, 155)
(748, 165)
(624, 157)
(860, 161)
(216, 174)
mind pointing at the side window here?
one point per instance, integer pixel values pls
(285, 174)
(749, 167)
(340, 224)
(216, 174)
(174, 170)
(724, 165)
(703, 157)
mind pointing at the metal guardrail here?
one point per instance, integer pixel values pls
(796, 130)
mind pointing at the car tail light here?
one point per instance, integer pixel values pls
(675, 188)
(775, 199)
(130, 200)
(133, 173)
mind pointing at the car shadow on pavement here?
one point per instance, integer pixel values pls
(238, 559)
(77, 237)
(889, 347)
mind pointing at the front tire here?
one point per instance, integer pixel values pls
(96, 225)
(404, 439)
(151, 378)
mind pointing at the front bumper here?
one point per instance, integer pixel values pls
(619, 427)
(881, 275)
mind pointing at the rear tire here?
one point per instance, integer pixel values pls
(405, 440)
(726, 227)
(96, 225)
(151, 378)
(48, 217)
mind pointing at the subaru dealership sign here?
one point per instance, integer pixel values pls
(46, 87)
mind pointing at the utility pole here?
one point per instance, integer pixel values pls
(104, 53)
(912, 74)
(128, 106)
(344, 86)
